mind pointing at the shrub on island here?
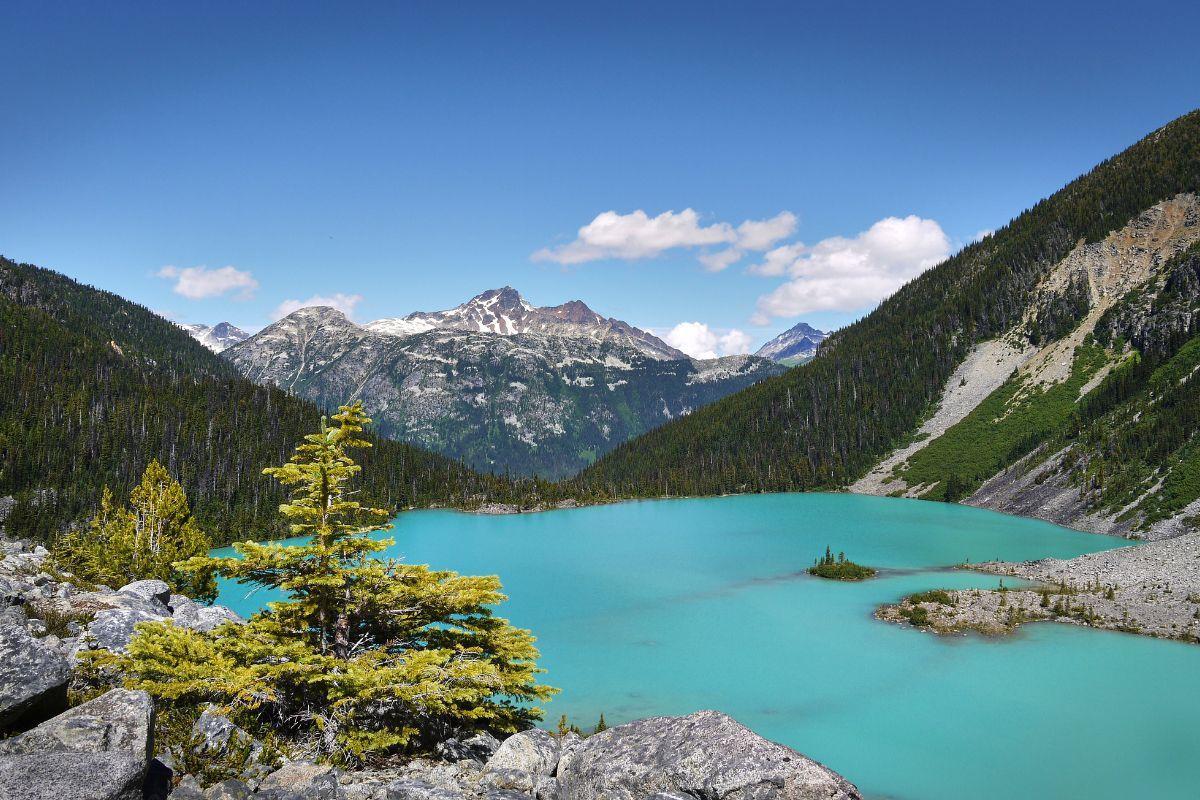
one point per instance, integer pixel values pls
(839, 568)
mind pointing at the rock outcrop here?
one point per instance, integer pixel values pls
(706, 754)
(302, 780)
(33, 676)
(96, 751)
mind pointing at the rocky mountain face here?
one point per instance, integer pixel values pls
(797, 343)
(497, 382)
(216, 337)
(1086, 412)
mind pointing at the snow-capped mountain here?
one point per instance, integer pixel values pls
(217, 337)
(504, 311)
(797, 343)
(496, 381)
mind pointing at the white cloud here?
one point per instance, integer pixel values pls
(199, 283)
(699, 341)
(638, 235)
(735, 342)
(345, 303)
(847, 274)
(719, 260)
(761, 234)
(983, 234)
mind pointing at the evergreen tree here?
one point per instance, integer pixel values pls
(364, 656)
(121, 545)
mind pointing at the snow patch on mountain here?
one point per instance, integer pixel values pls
(506, 313)
(799, 341)
(216, 337)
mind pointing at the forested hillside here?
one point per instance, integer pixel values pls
(96, 386)
(825, 423)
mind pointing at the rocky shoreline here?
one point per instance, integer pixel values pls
(106, 749)
(500, 509)
(1151, 589)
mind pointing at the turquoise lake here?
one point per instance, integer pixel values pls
(667, 607)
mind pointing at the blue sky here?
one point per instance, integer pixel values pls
(415, 154)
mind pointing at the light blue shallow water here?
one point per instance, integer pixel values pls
(667, 607)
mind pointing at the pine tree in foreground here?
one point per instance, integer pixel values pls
(121, 545)
(365, 656)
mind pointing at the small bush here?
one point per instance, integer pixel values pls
(939, 596)
(839, 568)
(58, 621)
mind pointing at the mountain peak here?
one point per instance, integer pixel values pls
(217, 337)
(506, 312)
(798, 341)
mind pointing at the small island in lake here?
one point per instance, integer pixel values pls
(839, 568)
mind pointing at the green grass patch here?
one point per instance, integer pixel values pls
(939, 596)
(1007, 425)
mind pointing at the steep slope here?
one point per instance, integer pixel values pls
(95, 386)
(1020, 393)
(875, 383)
(1127, 459)
(793, 345)
(215, 337)
(555, 389)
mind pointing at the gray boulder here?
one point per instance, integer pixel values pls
(420, 790)
(188, 789)
(479, 747)
(215, 731)
(96, 751)
(150, 590)
(71, 776)
(184, 610)
(112, 629)
(483, 744)
(533, 751)
(210, 617)
(706, 754)
(118, 721)
(33, 677)
(231, 789)
(301, 780)
(216, 736)
(542, 787)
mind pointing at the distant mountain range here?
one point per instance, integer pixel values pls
(497, 382)
(217, 337)
(795, 345)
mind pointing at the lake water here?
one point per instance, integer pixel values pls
(667, 607)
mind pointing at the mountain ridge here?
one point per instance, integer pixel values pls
(506, 312)
(497, 382)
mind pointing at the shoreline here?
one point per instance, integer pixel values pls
(1151, 589)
